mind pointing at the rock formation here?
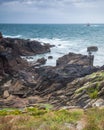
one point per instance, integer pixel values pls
(72, 82)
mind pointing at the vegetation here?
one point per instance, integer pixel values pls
(34, 118)
(95, 119)
(92, 85)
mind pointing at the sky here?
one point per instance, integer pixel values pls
(51, 11)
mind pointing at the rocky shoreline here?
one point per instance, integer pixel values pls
(73, 82)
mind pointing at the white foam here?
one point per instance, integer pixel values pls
(63, 47)
(95, 25)
(13, 36)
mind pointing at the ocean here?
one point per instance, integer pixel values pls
(66, 38)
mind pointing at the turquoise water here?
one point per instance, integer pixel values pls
(66, 38)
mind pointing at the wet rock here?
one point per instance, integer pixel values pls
(25, 47)
(9, 61)
(73, 58)
(92, 49)
(50, 57)
(1, 36)
(42, 60)
(59, 85)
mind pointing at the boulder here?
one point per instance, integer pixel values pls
(73, 58)
(5, 94)
(92, 49)
(50, 57)
(98, 103)
(25, 47)
(42, 60)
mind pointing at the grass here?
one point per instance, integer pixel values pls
(92, 85)
(37, 119)
(34, 118)
(95, 119)
(93, 93)
(90, 89)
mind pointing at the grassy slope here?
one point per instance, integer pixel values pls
(92, 84)
(46, 119)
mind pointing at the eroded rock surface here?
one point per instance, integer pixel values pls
(72, 82)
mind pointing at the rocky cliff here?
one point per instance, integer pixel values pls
(72, 82)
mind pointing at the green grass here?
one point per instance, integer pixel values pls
(93, 93)
(92, 85)
(95, 119)
(5, 112)
(34, 118)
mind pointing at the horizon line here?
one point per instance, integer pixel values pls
(52, 23)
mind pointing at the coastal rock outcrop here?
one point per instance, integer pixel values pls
(9, 61)
(82, 92)
(25, 47)
(72, 82)
(73, 58)
(49, 83)
(42, 61)
(11, 50)
(1, 36)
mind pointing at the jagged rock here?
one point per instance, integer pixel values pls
(5, 94)
(9, 61)
(1, 36)
(25, 47)
(66, 84)
(92, 49)
(73, 58)
(98, 103)
(12, 48)
(50, 57)
(82, 92)
(42, 60)
(19, 89)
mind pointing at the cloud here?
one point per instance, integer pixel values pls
(51, 11)
(49, 2)
(43, 4)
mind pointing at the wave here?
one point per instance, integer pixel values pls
(12, 36)
(54, 41)
(95, 25)
(63, 47)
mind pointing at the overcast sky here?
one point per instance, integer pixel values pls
(51, 11)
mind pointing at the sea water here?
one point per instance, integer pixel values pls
(66, 38)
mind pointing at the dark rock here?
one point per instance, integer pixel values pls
(29, 57)
(92, 49)
(23, 84)
(25, 47)
(73, 58)
(12, 48)
(49, 45)
(50, 57)
(1, 36)
(42, 60)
